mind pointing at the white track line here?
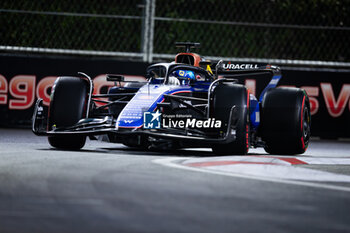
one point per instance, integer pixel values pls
(171, 162)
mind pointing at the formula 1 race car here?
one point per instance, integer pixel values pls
(186, 103)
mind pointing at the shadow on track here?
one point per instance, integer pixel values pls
(140, 152)
(200, 152)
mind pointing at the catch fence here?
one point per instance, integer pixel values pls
(301, 32)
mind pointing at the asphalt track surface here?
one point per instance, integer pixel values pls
(110, 188)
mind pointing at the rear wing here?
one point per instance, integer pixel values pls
(235, 67)
(231, 70)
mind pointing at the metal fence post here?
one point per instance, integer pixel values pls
(151, 32)
(145, 35)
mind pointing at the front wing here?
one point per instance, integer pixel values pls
(91, 127)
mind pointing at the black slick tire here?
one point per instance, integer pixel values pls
(67, 107)
(225, 96)
(285, 121)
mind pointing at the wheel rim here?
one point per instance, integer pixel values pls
(306, 124)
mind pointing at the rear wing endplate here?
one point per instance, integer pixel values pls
(238, 70)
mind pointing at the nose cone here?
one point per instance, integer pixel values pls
(145, 100)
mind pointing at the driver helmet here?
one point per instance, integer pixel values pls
(185, 76)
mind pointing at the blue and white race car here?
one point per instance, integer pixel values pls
(186, 103)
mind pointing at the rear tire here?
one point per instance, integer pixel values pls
(67, 107)
(285, 121)
(226, 96)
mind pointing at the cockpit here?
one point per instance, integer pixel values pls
(156, 74)
(175, 74)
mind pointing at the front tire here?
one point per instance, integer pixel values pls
(67, 107)
(226, 96)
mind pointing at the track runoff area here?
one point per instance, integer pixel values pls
(315, 169)
(326, 164)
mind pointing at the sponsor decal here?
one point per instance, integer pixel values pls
(128, 121)
(240, 66)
